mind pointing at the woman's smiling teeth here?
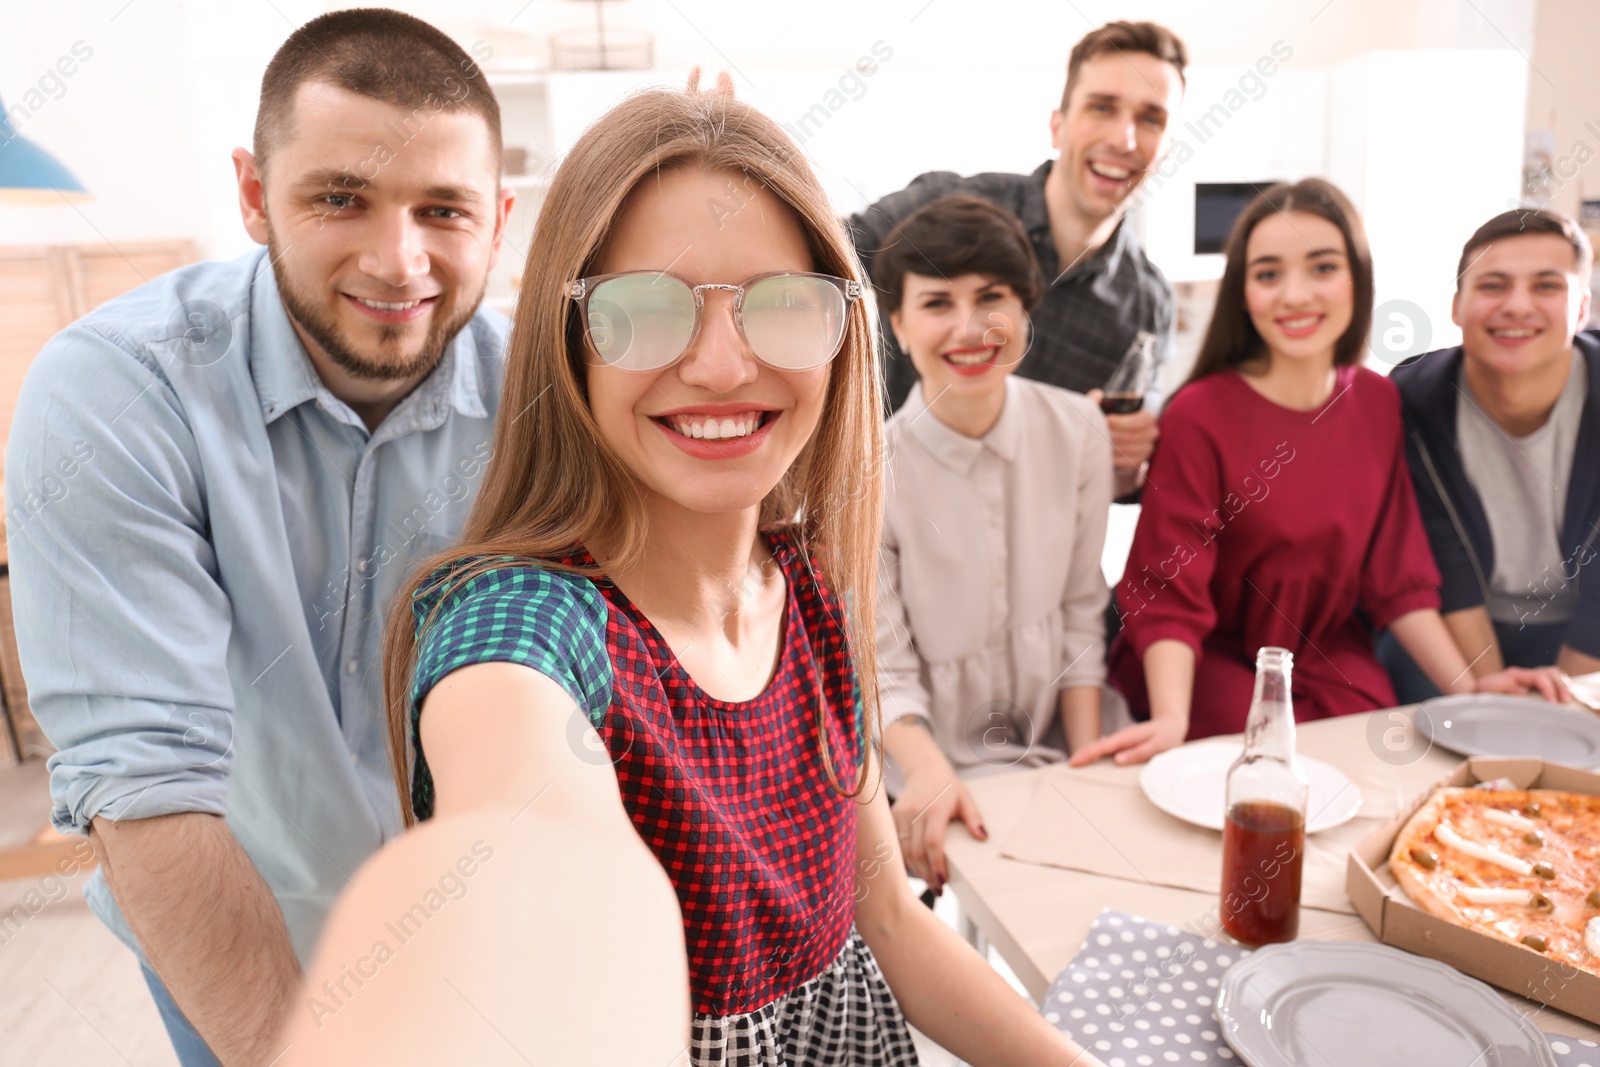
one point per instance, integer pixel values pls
(971, 357)
(713, 428)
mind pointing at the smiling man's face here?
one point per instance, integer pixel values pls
(1521, 301)
(1113, 130)
(382, 225)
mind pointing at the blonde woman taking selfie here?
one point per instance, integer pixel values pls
(643, 663)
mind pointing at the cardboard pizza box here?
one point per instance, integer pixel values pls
(1397, 921)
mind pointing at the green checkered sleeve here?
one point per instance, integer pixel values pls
(551, 621)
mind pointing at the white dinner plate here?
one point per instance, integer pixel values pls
(1490, 724)
(1313, 1002)
(1191, 781)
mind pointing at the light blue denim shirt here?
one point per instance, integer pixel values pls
(204, 542)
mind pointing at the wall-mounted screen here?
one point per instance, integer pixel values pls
(1216, 205)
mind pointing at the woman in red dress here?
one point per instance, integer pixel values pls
(1278, 509)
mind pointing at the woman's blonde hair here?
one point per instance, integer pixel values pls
(553, 483)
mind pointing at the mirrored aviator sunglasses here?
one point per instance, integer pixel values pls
(646, 320)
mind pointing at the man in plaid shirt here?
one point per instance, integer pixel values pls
(1124, 84)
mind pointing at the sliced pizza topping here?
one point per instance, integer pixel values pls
(1536, 942)
(1591, 937)
(1428, 861)
(1509, 818)
(1479, 895)
(1488, 853)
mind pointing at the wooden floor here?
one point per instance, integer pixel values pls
(70, 993)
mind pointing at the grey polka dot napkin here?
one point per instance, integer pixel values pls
(1143, 994)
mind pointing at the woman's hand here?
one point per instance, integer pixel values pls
(1548, 682)
(1133, 744)
(932, 799)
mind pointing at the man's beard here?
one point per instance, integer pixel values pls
(322, 328)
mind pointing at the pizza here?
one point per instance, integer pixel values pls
(1522, 866)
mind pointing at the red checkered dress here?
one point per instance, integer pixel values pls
(732, 797)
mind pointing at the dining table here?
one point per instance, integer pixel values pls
(1064, 844)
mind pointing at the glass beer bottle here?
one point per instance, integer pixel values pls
(1263, 839)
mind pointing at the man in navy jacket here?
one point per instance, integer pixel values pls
(1503, 440)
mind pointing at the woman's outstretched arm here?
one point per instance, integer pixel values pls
(526, 922)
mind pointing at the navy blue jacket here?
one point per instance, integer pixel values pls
(1453, 514)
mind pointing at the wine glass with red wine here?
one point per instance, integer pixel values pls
(1124, 393)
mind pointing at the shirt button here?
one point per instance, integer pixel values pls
(352, 666)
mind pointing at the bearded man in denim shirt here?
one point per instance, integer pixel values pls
(216, 483)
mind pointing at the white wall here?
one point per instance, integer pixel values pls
(149, 120)
(1272, 129)
(1428, 142)
(124, 143)
(978, 44)
(1564, 96)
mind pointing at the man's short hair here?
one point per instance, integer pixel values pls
(379, 53)
(1120, 38)
(1522, 222)
(956, 235)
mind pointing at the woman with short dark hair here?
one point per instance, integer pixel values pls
(991, 603)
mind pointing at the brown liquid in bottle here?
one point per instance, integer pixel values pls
(1263, 846)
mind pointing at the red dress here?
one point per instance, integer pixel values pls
(731, 796)
(1267, 526)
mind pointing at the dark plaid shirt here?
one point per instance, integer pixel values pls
(1091, 311)
(732, 797)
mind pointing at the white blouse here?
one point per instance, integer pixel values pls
(990, 595)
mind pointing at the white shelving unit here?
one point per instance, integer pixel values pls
(544, 112)
(526, 128)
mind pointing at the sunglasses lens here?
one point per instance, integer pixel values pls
(640, 321)
(794, 322)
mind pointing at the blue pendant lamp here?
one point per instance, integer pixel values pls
(29, 174)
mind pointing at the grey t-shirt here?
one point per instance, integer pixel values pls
(1522, 482)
